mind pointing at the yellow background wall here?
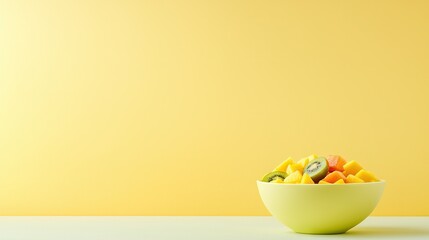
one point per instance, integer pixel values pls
(177, 107)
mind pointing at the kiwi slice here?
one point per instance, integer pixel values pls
(273, 176)
(317, 169)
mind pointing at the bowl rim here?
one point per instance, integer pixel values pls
(381, 181)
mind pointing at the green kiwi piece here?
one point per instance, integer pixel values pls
(273, 175)
(317, 169)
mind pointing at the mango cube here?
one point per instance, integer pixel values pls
(334, 177)
(366, 176)
(353, 179)
(336, 163)
(351, 167)
(324, 182)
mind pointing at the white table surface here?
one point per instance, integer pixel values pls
(198, 228)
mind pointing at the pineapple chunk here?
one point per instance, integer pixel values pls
(294, 177)
(303, 162)
(351, 167)
(277, 180)
(294, 167)
(312, 157)
(306, 179)
(283, 166)
(340, 181)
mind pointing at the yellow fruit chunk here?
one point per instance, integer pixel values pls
(334, 176)
(282, 167)
(340, 181)
(367, 176)
(351, 167)
(306, 179)
(277, 180)
(294, 177)
(303, 162)
(353, 179)
(312, 157)
(293, 167)
(324, 182)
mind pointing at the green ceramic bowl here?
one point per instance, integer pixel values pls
(320, 209)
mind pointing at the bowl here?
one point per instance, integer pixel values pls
(320, 209)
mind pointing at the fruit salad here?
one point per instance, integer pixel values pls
(332, 169)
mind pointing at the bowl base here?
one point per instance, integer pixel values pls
(320, 233)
